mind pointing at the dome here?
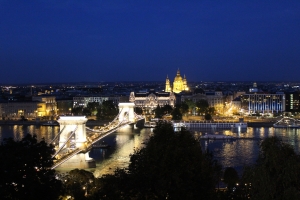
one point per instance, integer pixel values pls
(178, 77)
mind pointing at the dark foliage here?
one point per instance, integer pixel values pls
(158, 112)
(25, 170)
(176, 114)
(80, 184)
(107, 111)
(276, 174)
(172, 166)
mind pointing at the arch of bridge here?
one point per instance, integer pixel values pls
(126, 108)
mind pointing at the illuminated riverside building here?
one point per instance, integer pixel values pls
(15, 110)
(179, 84)
(50, 105)
(40, 106)
(263, 103)
(150, 100)
(214, 98)
(84, 100)
(292, 103)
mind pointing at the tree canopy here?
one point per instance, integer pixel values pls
(107, 111)
(202, 106)
(176, 114)
(158, 112)
(80, 184)
(171, 166)
(25, 170)
(276, 174)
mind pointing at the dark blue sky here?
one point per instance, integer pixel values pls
(70, 41)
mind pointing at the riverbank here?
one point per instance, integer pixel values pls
(260, 124)
(48, 123)
(105, 122)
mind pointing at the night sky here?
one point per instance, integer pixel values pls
(146, 40)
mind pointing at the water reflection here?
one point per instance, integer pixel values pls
(235, 153)
(17, 132)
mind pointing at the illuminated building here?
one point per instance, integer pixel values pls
(150, 100)
(84, 100)
(263, 103)
(292, 101)
(15, 110)
(179, 84)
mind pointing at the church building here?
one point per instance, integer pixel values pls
(179, 84)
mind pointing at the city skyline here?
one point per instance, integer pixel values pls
(95, 41)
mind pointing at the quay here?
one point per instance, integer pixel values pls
(225, 137)
(209, 124)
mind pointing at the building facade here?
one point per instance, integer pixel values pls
(17, 110)
(292, 102)
(150, 100)
(50, 104)
(84, 100)
(263, 103)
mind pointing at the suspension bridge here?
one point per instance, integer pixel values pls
(75, 140)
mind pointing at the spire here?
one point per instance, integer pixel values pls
(178, 72)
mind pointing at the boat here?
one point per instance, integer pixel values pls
(216, 137)
(150, 124)
(102, 145)
(50, 123)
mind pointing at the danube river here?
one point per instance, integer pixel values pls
(235, 153)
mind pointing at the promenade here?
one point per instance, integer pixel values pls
(45, 122)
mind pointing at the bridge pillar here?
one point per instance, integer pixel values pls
(126, 108)
(70, 124)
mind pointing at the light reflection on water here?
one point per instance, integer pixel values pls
(241, 152)
(236, 153)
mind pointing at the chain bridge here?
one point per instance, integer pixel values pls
(75, 140)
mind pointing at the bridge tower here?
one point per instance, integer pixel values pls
(126, 111)
(73, 137)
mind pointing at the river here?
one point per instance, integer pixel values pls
(235, 153)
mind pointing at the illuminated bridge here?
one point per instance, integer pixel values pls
(75, 140)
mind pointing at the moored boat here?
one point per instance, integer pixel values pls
(102, 145)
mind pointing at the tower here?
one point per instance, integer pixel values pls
(168, 86)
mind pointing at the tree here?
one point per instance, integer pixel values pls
(176, 114)
(92, 107)
(138, 110)
(207, 117)
(167, 109)
(80, 184)
(191, 104)
(211, 110)
(77, 110)
(107, 111)
(184, 108)
(158, 112)
(230, 177)
(171, 166)
(276, 174)
(202, 106)
(25, 170)
(86, 111)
